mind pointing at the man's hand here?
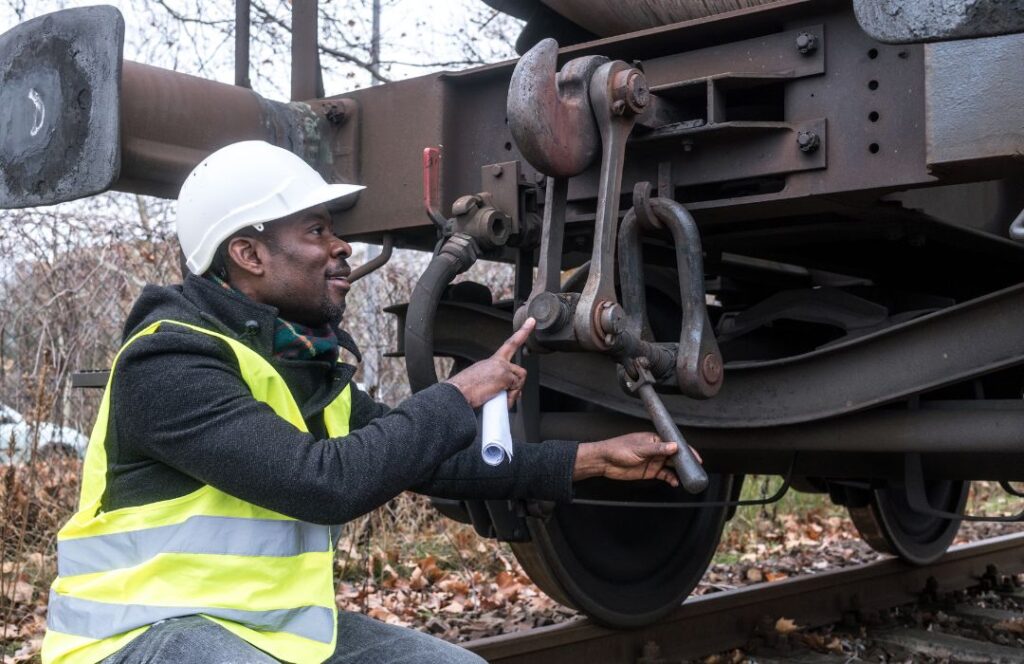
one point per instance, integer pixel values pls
(634, 456)
(482, 380)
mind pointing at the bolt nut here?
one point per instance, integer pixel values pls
(808, 141)
(550, 311)
(335, 114)
(806, 43)
(610, 318)
(711, 368)
(496, 170)
(630, 92)
(638, 95)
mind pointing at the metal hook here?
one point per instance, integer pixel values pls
(549, 114)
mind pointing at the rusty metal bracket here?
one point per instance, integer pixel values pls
(618, 93)
(699, 363)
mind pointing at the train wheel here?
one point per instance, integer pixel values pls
(625, 566)
(889, 525)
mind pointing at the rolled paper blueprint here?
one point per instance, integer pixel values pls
(495, 435)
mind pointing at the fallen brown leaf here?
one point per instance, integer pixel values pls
(786, 626)
(1015, 626)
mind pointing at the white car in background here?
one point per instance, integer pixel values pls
(53, 439)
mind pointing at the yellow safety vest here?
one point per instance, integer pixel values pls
(264, 576)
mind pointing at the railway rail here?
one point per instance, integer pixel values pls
(729, 619)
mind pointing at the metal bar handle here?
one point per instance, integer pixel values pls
(691, 474)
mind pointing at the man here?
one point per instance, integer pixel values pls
(231, 443)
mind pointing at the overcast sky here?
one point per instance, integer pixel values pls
(413, 31)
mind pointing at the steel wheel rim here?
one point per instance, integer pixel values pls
(573, 554)
(889, 525)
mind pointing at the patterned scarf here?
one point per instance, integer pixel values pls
(293, 341)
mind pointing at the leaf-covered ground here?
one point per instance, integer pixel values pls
(406, 565)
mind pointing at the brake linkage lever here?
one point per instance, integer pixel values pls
(640, 381)
(599, 101)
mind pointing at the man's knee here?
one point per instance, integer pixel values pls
(451, 654)
(468, 657)
(189, 640)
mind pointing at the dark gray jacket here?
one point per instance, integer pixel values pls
(183, 417)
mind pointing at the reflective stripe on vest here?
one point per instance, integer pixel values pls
(99, 620)
(263, 576)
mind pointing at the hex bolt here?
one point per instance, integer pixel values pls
(711, 368)
(808, 141)
(549, 311)
(806, 43)
(610, 318)
(335, 114)
(496, 170)
(638, 95)
(630, 91)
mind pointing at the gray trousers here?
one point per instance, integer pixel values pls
(196, 640)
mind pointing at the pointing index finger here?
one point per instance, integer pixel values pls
(512, 344)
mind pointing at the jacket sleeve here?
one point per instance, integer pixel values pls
(540, 471)
(179, 398)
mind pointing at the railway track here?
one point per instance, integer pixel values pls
(730, 619)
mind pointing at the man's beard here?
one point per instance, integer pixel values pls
(331, 312)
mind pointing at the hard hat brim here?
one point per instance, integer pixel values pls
(201, 259)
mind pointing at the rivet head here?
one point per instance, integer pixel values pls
(711, 368)
(808, 141)
(806, 43)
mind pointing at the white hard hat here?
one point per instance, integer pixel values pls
(245, 184)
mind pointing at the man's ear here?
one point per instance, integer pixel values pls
(248, 254)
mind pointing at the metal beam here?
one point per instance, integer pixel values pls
(242, 18)
(305, 51)
(920, 355)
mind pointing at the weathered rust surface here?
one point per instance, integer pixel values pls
(790, 390)
(614, 17)
(975, 105)
(549, 114)
(752, 93)
(170, 121)
(905, 21)
(59, 78)
(867, 111)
